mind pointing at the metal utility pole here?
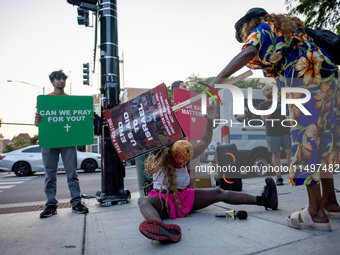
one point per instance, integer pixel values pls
(113, 170)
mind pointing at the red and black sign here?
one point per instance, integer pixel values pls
(143, 124)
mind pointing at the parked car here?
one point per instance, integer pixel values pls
(130, 162)
(28, 160)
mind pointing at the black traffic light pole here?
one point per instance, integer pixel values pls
(113, 171)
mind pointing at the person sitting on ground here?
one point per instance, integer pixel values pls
(171, 196)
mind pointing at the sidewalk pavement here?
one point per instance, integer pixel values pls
(114, 230)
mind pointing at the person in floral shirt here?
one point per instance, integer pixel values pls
(278, 45)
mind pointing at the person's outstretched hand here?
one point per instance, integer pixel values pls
(210, 112)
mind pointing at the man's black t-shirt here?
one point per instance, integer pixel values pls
(275, 128)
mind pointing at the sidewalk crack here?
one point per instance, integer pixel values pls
(84, 236)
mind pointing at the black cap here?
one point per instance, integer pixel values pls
(252, 13)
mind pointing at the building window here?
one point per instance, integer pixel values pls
(95, 145)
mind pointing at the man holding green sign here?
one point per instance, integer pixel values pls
(60, 121)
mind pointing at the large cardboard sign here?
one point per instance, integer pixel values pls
(66, 121)
(191, 119)
(143, 124)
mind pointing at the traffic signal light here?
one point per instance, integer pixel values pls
(0, 121)
(85, 4)
(86, 74)
(83, 17)
(79, 2)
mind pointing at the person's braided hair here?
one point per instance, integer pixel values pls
(161, 162)
(283, 23)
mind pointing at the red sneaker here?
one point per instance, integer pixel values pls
(159, 231)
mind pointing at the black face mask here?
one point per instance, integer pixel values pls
(269, 96)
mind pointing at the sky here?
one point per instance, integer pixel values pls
(161, 40)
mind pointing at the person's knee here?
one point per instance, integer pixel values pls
(218, 193)
(288, 151)
(143, 201)
(276, 154)
(50, 176)
(222, 194)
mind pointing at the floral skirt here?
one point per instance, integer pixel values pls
(315, 137)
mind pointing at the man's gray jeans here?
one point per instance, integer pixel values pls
(50, 159)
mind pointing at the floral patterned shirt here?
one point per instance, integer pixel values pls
(298, 62)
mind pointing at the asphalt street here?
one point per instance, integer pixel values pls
(15, 189)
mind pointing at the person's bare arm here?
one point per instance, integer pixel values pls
(192, 183)
(239, 61)
(37, 118)
(207, 136)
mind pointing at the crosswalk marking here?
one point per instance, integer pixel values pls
(6, 187)
(10, 180)
(19, 178)
(7, 183)
(1, 183)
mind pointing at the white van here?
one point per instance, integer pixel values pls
(250, 141)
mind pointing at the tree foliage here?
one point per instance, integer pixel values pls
(9, 147)
(81, 148)
(255, 83)
(17, 143)
(193, 84)
(320, 14)
(35, 139)
(171, 95)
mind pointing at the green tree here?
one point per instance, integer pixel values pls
(254, 83)
(81, 148)
(193, 85)
(17, 143)
(319, 13)
(9, 148)
(193, 80)
(171, 95)
(35, 139)
(20, 142)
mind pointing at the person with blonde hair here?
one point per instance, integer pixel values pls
(278, 44)
(171, 197)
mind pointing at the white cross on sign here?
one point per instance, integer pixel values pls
(67, 127)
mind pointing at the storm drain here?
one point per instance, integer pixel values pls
(30, 208)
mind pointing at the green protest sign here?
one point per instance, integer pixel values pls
(66, 120)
